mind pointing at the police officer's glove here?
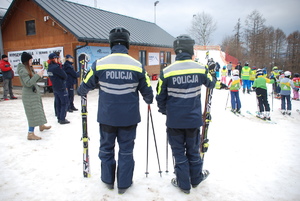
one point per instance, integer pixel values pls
(211, 69)
(213, 74)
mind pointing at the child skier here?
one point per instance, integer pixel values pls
(285, 85)
(235, 84)
(252, 75)
(260, 87)
(223, 75)
(246, 70)
(296, 81)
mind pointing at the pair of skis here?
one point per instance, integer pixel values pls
(206, 121)
(83, 60)
(206, 116)
(265, 120)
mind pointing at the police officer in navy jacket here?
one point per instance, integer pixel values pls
(120, 78)
(58, 78)
(179, 97)
(71, 80)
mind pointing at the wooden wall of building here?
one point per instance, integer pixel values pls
(50, 34)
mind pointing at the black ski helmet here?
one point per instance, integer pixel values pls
(184, 43)
(259, 72)
(119, 35)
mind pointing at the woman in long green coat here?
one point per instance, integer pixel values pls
(31, 96)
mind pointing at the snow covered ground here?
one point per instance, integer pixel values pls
(248, 158)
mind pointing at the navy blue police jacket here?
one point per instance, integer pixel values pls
(71, 73)
(120, 78)
(179, 92)
(57, 76)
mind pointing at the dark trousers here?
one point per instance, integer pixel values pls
(7, 88)
(125, 137)
(235, 100)
(286, 98)
(185, 144)
(61, 102)
(262, 97)
(229, 72)
(71, 97)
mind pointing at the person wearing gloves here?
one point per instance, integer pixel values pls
(120, 78)
(179, 97)
(260, 87)
(31, 96)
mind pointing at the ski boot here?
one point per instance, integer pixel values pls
(205, 174)
(267, 116)
(288, 112)
(174, 183)
(260, 115)
(233, 111)
(283, 112)
(238, 111)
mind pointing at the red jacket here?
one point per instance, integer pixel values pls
(6, 69)
(5, 66)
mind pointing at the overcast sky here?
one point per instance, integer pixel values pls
(175, 16)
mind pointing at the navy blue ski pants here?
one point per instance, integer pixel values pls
(71, 97)
(286, 98)
(125, 137)
(61, 102)
(235, 100)
(185, 144)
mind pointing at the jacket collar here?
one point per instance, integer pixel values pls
(119, 49)
(183, 56)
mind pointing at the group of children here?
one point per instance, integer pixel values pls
(257, 79)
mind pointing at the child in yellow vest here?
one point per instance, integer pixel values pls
(286, 84)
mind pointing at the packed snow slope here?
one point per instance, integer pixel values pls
(217, 55)
(248, 158)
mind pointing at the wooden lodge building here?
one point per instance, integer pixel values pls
(43, 26)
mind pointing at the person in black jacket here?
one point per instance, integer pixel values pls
(239, 67)
(71, 80)
(58, 78)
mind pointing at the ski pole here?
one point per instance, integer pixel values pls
(147, 144)
(154, 139)
(167, 141)
(227, 99)
(272, 99)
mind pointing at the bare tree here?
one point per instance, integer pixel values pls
(202, 28)
(293, 52)
(254, 37)
(280, 47)
(237, 40)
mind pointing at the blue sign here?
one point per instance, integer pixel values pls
(93, 53)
